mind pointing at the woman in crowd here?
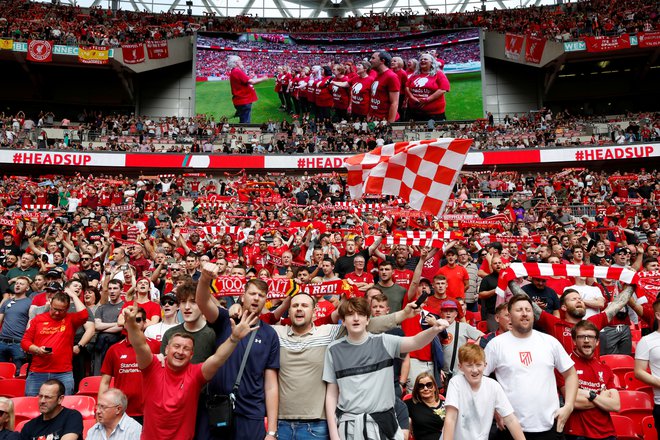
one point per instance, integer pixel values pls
(426, 89)
(360, 87)
(426, 409)
(7, 420)
(340, 95)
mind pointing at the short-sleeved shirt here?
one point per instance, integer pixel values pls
(152, 308)
(361, 371)
(242, 92)
(476, 410)
(15, 320)
(264, 355)
(361, 95)
(120, 362)
(171, 408)
(456, 277)
(395, 294)
(525, 369)
(547, 295)
(384, 83)
(109, 312)
(44, 331)
(422, 86)
(204, 342)
(648, 349)
(68, 421)
(561, 329)
(465, 332)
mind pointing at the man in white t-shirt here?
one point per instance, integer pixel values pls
(170, 306)
(524, 361)
(591, 296)
(648, 353)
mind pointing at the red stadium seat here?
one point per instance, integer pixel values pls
(25, 408)
(22, 374)
(620, 364)
(87, 425)
(634, 384)
(7, 370)
(636, 405)
(648, 429)
(89, 386)
(86, 405)
(12, 388)
(19, 426)
(624, 428)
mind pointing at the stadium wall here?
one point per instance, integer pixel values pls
(511, 88)
(166, 92)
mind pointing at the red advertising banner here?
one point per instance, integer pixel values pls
(133, 53)
(157, 49)
(534, 47)
(40, 51)
(513, 45)
(604, 44)
(648, 39)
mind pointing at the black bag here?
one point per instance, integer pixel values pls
(220, 407)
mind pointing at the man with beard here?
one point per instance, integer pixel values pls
(524, 361)
(401, 274)
(303, 345)
(344, 264)
(105, 322)
(597, 395)
(574, 309)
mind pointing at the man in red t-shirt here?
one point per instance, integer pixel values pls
(242, 88)
(363, 280)
(597, 395)
(457, 277)
(120, 363)
(174, 387)
(385, 89)
(49, 338)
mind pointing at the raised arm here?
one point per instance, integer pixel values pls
(136, 337)
(247, 325)
(517, 290)
(203, 295)
(619, 301)
(412, 343)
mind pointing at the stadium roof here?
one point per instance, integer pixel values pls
(308, 8)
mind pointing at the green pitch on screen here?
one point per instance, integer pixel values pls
(214, 99)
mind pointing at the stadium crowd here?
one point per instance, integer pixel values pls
(72, 25)
(128, 268)
(539, 129)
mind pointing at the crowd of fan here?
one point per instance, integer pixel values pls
(109, 244)
(541, 129)
(72, 25)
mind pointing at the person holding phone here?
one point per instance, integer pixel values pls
(49, 338)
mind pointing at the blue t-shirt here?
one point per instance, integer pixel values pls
(16, 317)
(264, 354)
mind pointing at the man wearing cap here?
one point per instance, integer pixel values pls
(385, 89)
(120, 364)
(459, 334)
(170, 306)
(14, 316)
(108, 331)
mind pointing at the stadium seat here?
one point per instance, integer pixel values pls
(89, 386)
(22, 373)
(636, 405)
(87, 425)
(624, 428)
(620, 364)
(25, 408)
(12, 388)
(648, 429)
(7, 370)
(86, 405)
(18, 427)
(634, 384)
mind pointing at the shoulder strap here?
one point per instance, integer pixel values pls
(452, 364)
(234, 390)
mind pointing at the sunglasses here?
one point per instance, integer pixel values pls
(138, 319)
(169, 302)
(427, 385)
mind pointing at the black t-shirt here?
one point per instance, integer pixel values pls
(6, 250)
(426, 424)
(9, 435)
(68, 421)
(345, 265)
(547, 295)
(489, 282)
(92, 274)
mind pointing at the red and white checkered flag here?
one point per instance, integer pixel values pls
(422, 173)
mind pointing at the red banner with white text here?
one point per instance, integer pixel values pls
(513, 45)
(534, 47)
(40, 51)
(604, 44)
(157, 49)
(648, 39)
(133, 53)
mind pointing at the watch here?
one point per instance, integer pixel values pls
(592, 396)
(272, 433)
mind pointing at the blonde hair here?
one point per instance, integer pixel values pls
(10, 411)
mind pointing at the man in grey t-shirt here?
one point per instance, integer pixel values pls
(14, 319)
(465, 332)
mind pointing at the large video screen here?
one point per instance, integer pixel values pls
(290, 72)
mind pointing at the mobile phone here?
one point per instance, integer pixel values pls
(48, 349)
(421, 299)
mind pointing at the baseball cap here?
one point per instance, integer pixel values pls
(168, 296)
(449, 304)
(54, 286)
(53, 273)
(622, 250)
